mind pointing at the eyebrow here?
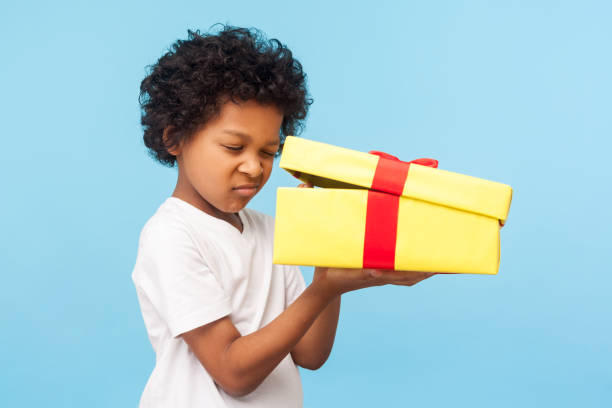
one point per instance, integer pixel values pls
(247, 136)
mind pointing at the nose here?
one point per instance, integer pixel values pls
(251, 166)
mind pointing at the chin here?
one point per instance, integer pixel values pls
(237, 206)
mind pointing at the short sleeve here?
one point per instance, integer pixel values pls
(177, 280)
(294, 284)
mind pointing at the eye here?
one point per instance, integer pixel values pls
(234, 148)
(270, 154)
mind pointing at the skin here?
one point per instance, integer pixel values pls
(233, 149)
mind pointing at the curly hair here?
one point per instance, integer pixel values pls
(189, 84)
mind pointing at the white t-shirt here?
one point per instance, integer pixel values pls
(192, 269)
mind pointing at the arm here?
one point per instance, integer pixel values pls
(314, 348)
(239, 364)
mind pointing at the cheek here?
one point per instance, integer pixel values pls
(268, 168)
(208, 168)
(211, 159)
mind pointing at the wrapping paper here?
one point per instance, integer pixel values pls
(376, 211)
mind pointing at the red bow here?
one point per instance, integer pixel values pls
(391, 172)
(423, 161)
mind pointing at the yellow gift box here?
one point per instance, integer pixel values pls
(376, 211)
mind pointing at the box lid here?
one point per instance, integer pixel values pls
(330, 166)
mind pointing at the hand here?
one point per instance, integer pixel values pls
(337, 281)
(404, 278)
(305, 185)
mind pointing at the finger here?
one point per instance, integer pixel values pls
(422, 278)
(407, 278)
(398, 275)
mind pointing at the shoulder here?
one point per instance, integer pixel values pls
(167, 224)
(165, 237)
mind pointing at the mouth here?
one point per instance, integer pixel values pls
(247, 186)
(246, 189)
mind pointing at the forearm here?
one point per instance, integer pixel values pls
(314, 348)
(252, 357)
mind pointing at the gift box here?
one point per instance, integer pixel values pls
(376, 211)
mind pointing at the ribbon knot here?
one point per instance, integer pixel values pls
(423, 161)
(391, 172)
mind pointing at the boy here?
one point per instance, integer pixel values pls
(229, 328)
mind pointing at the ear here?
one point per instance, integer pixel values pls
(172, 148)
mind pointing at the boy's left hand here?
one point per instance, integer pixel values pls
(404, 278)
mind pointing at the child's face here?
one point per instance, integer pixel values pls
(229, 159)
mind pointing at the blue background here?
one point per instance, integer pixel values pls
(513, 91)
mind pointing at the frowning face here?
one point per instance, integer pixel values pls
(229, 159)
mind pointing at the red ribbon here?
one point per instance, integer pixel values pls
(382, 209)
